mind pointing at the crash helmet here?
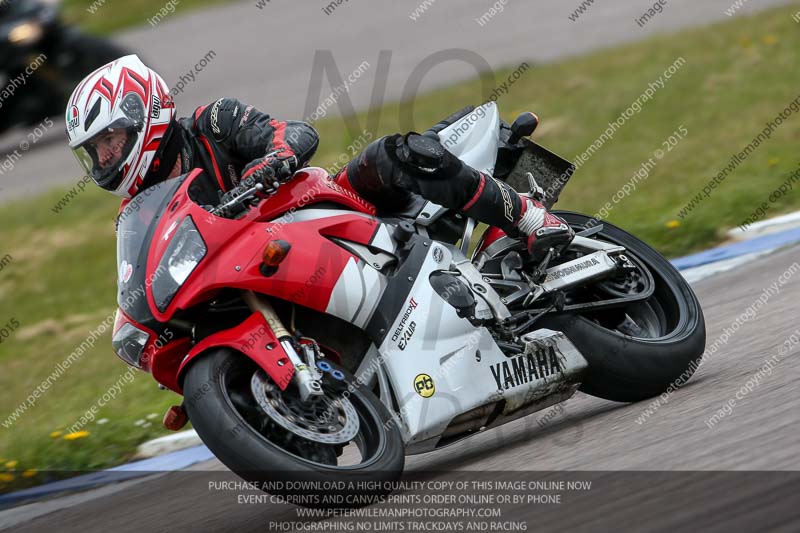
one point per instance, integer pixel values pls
(116, 118)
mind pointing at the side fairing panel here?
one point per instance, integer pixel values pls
(441, 367)
(437, 363)
(359, 289)
(357, 293)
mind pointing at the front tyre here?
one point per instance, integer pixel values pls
(285, 440)
(644, 349)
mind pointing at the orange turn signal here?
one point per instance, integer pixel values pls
(175, 418)
(275, 252)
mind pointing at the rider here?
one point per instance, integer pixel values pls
(121, 126)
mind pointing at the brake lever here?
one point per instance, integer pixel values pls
(255, 187)
(236, 201)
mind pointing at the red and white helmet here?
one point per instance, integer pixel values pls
(116, 118)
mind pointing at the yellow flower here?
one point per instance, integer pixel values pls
(56, 434)
(672, 224)
(30, 473)
(6, 477)
(769, 39)
(774, 161)
(76, 435)
(11, 464)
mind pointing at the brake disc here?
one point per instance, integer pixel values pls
(326, 420)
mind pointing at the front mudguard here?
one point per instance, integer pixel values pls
(255, 339)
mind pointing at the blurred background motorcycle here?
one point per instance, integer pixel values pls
(34, 38)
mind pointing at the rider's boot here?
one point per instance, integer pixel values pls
(544, 230)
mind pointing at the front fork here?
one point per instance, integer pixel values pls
(306, 376)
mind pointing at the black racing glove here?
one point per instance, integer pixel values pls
(269, 167)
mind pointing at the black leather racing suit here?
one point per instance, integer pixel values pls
(391, 170)
(229, 140)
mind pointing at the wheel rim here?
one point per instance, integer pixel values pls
(362, 450)
(659, 317)
(662, 316)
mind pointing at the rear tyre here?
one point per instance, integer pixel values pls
(647, 348)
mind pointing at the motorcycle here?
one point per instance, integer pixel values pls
(43, 60)
(316, 339)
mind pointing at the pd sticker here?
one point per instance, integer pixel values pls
(424, 385)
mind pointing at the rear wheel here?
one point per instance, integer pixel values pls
(338, 443)
(645, 348)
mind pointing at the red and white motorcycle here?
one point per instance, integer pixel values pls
(313, 338)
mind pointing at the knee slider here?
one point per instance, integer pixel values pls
(421, 152)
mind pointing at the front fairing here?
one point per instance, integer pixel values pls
(234, 247)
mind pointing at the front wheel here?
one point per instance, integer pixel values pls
(344, 444)
(643, 349)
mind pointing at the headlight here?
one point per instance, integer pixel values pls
(25, 33)
(182, 256)
(129, 342)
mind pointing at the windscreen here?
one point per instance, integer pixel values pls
(135, 227)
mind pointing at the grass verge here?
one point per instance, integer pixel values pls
(107, 16)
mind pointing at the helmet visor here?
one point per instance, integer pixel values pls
(104, 155)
